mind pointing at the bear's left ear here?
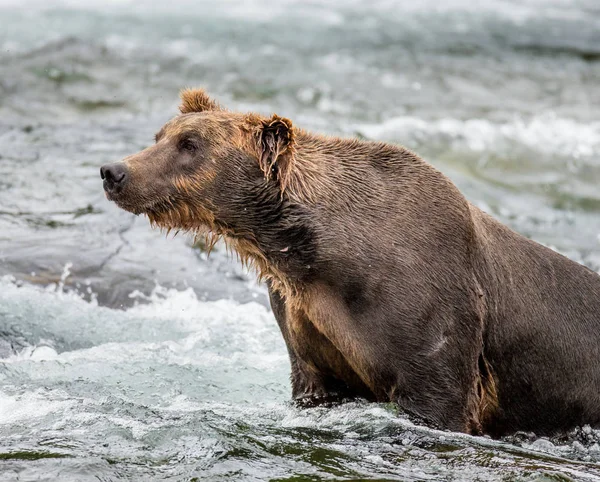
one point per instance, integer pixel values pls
(275, 143)
(196, 100)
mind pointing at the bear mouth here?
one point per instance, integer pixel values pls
(126, 206)
(173, 214)
(159, 206)
(169, 212)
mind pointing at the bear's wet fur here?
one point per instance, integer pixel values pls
(385, 281)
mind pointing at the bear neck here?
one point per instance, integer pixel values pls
(268, 230)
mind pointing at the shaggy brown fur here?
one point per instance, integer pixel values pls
(385, 281)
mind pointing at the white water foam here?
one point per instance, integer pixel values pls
(170, 332)
(544, 133)
(15, 409)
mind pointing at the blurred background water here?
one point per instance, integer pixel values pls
(128, 356)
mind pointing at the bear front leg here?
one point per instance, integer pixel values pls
(310, 386)
(423, 356)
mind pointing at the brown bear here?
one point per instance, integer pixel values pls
(386, 282)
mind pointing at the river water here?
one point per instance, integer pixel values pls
(128, 356)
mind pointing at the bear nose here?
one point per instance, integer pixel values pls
(114, 175)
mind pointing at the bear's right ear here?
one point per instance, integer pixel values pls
(196, 100)
(276, 148)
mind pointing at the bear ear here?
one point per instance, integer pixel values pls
(196, 100)
(275, 143)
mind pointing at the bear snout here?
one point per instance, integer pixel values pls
(114, 176)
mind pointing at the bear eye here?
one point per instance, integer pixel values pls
(187, 145)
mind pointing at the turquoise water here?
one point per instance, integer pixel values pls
(128, 356)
